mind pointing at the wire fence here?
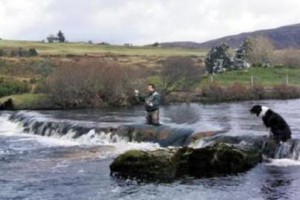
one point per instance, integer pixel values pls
(251, 80)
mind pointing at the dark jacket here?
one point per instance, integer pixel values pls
(152, 101)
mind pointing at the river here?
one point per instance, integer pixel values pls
(62, 167)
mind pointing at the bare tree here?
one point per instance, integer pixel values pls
(287, 57)
(261, 51)
(179, 73)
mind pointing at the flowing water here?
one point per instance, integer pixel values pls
(60, 166)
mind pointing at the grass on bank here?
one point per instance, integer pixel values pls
(29, 101)
(264, 76)
(267, 77)
(80, 49)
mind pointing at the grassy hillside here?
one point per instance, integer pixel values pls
(63, 49)
(28, 79)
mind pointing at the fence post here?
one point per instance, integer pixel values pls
(287, 80)
(211, 78)
(252, 81)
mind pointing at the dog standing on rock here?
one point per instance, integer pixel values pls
(279, 129)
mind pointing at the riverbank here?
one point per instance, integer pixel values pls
(80, 75)
(213, 93)
(216, 93)
(27, 102)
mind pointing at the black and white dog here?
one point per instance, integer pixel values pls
(279, 129)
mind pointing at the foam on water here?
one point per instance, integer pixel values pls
(50, 141)
(76, 172)
(283, 162)
(7, 127)
(90, 139)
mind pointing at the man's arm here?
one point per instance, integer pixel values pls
(138, 96)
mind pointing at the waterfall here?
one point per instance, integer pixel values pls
(289, 149)
(86, 133)
(91, 133)
(33, 123)
(269, 148)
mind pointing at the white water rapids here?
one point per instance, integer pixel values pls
(59, 166)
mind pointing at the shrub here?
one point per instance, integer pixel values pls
(39, 86)
(91, 85)
(32, 52)
(179, 73)
(237, 92)
(287, 57)
(213, 92)
(286, 92)
(1, 52)
(20, 52)
(258, 92)
(9, 87)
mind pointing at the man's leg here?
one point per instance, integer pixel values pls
(148, 118)
(155, 117)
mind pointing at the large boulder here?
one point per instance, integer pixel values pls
(158, 165)
(170, 164)
(222, 159)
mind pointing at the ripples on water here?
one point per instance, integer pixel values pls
(36, 167)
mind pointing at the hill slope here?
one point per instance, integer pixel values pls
(282, 37)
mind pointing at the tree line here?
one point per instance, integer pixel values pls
(60, 37)
(258, 51)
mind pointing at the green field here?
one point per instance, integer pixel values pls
(80, 49)
(259, 75)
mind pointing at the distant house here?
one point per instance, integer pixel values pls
(52, 38)
(103, 43)
(156, 44)
(128, 45)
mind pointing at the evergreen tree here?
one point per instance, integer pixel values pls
(245, 50)
(61, 37)
(242, 55)
(218, 59)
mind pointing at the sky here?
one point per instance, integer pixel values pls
(142, 22)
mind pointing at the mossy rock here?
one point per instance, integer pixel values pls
(170, 164)
(156, 165)
(222, 159)
(7, 104)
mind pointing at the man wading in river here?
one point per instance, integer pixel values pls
(152, 102)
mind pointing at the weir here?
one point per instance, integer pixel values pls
(164, 135)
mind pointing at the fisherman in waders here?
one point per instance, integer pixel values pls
(152, 102)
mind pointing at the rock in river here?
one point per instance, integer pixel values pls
(165, 165)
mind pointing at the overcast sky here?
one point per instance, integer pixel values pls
(142, 21)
